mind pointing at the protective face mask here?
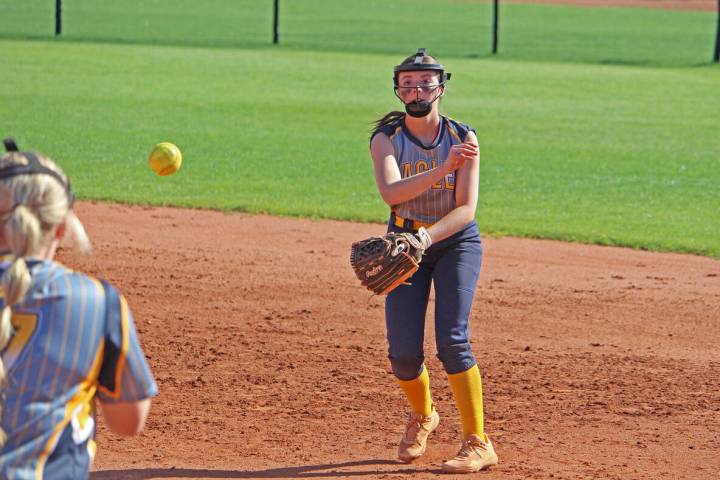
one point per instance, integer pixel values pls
(418, 108)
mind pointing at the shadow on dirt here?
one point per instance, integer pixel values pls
(305, 471)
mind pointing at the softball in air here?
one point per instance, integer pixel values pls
(165, 159)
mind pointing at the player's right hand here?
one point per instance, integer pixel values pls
(459, 154)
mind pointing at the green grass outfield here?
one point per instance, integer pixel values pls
(618, 155)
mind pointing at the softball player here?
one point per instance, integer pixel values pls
(65, 338)
(427, 170)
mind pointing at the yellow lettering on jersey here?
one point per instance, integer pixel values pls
(421, 166)
(407, 172)
(24, 325)
(448, 185)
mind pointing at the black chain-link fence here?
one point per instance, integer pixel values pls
(462, 28)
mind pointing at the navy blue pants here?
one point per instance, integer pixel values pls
(453, 266)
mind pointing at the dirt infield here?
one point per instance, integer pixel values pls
(598, 362)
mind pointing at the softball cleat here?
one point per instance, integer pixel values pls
(474, 455)
(417, 431)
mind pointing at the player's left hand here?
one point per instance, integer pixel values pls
(383, 263)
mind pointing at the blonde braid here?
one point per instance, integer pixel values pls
(5, 334)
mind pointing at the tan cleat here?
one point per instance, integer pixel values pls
(414, 442)
(474, 455)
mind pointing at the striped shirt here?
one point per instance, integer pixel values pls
(413, 157)
(74, 340)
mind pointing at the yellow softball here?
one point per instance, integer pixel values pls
(165, 158)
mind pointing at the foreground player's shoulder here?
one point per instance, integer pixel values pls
(458, 129)
(389, 130)
(57, 279)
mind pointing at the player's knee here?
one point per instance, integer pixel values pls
(456, 357)
(406, 365)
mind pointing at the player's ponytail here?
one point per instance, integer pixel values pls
(386, 120)
(5, 334)
(23, 235)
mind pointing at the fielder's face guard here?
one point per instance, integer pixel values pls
(33, 167)
(425, 88)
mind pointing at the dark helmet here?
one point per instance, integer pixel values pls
(418, 64)
(33, 167)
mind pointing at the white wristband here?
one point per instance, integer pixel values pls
(424, 237)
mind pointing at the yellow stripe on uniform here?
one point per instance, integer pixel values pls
(452, 132)
(124, 323)
(395, 132)
(84, 396)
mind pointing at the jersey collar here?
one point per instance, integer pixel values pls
(417, 142)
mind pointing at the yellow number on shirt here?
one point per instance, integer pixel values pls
(24, 325)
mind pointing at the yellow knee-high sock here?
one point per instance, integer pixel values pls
(467, 390)
(417, 392)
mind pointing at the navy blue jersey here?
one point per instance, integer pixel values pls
(74, 340)
(413, 157)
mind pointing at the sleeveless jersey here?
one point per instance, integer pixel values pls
(74, 340)
(413, 157)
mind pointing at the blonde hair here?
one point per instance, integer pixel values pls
(32, 206)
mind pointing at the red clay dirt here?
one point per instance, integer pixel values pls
(271, 360)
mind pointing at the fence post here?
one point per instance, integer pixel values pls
(716, 57)
(495, 27)
(58, 17)
(275, 21)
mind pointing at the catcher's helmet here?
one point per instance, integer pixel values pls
(418, 64)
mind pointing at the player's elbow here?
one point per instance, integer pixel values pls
(128, 418)
(126, 429)
(467, 212)
(386, 193)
